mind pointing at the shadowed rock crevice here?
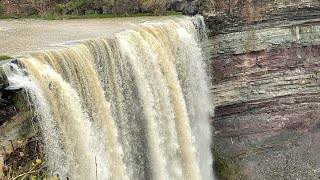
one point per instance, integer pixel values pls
(6, 108)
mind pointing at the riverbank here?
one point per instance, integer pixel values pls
(89, 16)
(54, 9)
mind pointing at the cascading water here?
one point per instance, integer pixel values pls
(132, 106)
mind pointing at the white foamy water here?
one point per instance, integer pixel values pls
(136, 101)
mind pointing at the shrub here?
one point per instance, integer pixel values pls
(2, 9)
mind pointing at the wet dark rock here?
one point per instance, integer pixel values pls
(12, 99)
(3, 80)
(6, 111)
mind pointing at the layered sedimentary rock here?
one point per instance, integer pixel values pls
(264, 62)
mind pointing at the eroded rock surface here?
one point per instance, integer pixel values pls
(267, 115)
(264, 61)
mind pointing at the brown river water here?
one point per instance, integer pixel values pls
(21, 35)
(133, 105)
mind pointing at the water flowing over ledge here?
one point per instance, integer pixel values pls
(132, 106)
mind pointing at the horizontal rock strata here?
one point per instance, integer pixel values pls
(265, 75)
(264, 66)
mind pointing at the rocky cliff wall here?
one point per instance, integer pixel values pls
(266, 88)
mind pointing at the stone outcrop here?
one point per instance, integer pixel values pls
(264, 61)
(19, 131)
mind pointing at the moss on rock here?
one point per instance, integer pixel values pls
(225, 167)
(19, 103)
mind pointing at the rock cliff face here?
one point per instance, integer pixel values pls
(264, 60)
(19, 131)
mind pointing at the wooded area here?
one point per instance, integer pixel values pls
(31, 7)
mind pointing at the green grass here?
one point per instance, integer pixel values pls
(5, 16)
(91, 16)
(97, 16)
(4, 57)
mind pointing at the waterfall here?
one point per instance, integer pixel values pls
(131, 106)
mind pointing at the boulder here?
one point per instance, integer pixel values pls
(190, 10)
(177, 5)
(106, 10)
(187, 7)
(28, 10)
(89, 12)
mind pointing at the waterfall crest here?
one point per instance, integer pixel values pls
(131, 106)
